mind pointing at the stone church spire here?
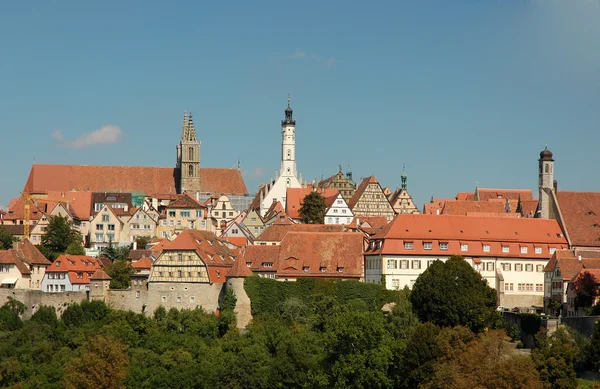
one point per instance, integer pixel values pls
(188, 157)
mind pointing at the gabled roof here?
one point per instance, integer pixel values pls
(185, 201)
(569, 263)
(458, 207)
(276, 232)
(240, 269)
(258, 256)
(11, 257)
(144, 263)
(434, 207)
(74, 264)
(274, 210)
(361, 189)
(321, 254)
(80, 203)
(486, 194)
(30, 254)
(581, 217)
(16, 209)
(137, 179)
(100, 275)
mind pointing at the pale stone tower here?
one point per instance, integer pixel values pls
(288, 144)
(99, 286)
(188, 157)
(235, 282)
(546, 182)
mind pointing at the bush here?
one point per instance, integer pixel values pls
(46, 315)
(530, 323)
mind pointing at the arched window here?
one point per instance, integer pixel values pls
(224, 206)
(191, 153)
(289, 154)
(287, 183)
(191, 170)
(546, 168)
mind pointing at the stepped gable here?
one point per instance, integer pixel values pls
(580, 213)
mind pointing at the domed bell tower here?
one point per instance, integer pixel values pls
(546, 182)
(288, 143)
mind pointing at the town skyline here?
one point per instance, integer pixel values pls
(371, 99)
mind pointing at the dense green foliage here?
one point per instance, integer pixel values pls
(556, 356)
(60, 234)
(6, 239)
(309, 294)
(585, 288)
(116, 253)
(530, 323)
(313, 209)
(75, 248)
(452, 293)
(142, 242)
(120, 272)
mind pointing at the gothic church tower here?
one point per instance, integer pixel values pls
(188, 157)
(546, 183)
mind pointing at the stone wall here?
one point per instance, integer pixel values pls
(33, 299)
(520, 300)
(183, 296)
(242, 307)
(582, 324)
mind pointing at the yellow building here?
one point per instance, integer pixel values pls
(181, 214)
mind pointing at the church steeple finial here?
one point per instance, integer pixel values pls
(403, 177)
(288, 114)
(476, 194)
(191, 132)
(184, 125)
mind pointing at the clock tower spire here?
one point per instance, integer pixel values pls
(288, 143)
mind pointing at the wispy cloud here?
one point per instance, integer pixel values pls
(258, 172)
(104, 135)
(303, 55)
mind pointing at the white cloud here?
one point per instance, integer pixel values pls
(330, 62)
(257, 172)
(104, 135)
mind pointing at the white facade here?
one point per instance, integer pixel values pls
(339, 212)
(519, 281)
(288, 175)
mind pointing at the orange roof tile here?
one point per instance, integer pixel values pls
(75, 264)
(144, 263)
(31, 255)
(581, 216)
(100, 275)
(295, 198)
(276, 232)
(457, 207)
(240, 269)
(148, 180)
(257, 256)
(185, 201)
(239, 241)
(321, 254)
(486, 194)
(11, 257)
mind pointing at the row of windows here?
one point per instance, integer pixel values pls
(178, 299)
(519, 267)
(180, 274)
(5, 268)
(55, 288)
(109, 227)
(510, 287)
(465, 247)
(335, 210)
(173, 213)
(56, 276)
(331, 220)
(177, 223)
(224, 214)
(137, 227)
(109, 237)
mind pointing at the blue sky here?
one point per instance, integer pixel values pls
(460, 91)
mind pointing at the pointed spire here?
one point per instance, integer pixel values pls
(520, 207)
(507, 206)
(239, 164)
(191, 132)
(476, 194)
(403, 177)
(184, 125)
(289, 100)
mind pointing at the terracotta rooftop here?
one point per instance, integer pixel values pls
(569, 263)
(11, 257)
(276, 232)
(486, 194)
(581, 216)
(30, 254)
(148, 180)
(321, 254)
(295, 199)
(144, 263)
(456, 207)
(74, 264)
(240, 269)
(257, 256)
(100, 275)
(185, 201)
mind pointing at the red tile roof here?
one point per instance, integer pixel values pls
(434, 207)
(276, 232)
(239, 241)
(74, 264)
(456, 207)
(240, 269)
(144, 263)
(486, 194)
(257, 256)
(472, 230)
(185, 201)
(569, 263)
(148, 180)
(295, 199)
(321, 254)
(11, 257)
(100, 275)
(581, 217)
(31, 255)
(213, 251)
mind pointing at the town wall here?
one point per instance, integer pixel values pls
(242, 307)
(33, 299)
(582, 324)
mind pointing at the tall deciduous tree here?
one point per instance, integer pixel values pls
(313, 209)
(6, 239)
(452, 293)
(586, 289)
(59, 235)
(120, 271)
(75, 248)
(103, 365)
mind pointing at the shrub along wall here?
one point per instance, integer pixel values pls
(268, 296)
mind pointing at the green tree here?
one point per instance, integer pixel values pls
(116, 253)
(6, 239)
(142, 242)
(593, 349)
(120, 271)
(102, 365)
(554, 358)
(452, 293)
(47, 315)
(313, 209)
(75, 248)
(586, 289)
(60, 233)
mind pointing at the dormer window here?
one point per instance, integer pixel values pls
(408, 245)
(590, 213)
(595, 225)
(305, 268)
(322, 269)
(248, 264)
(340, 269)
(57, 263)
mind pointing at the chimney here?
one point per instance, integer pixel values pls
(579, 258)
(15, 245)
(134, 245)
(437, 211)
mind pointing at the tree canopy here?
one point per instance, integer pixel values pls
(120, 272)
(313, 208)
(60, 234)
(452, 293)
(586, 289)
(6, 239)
(75, 248)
